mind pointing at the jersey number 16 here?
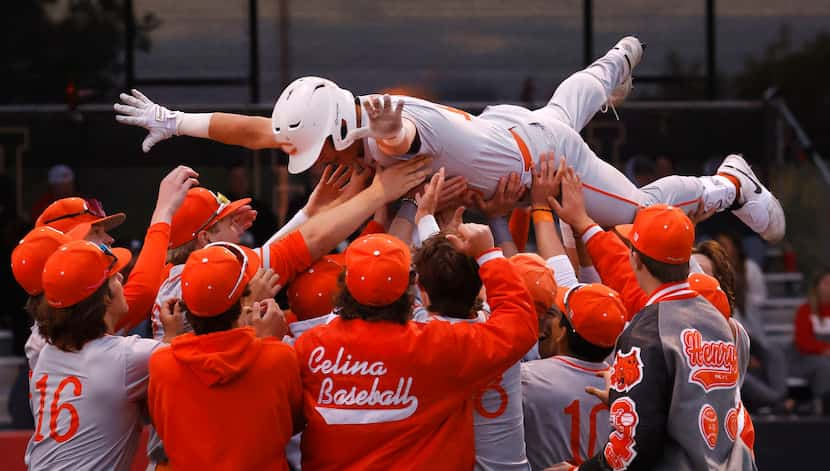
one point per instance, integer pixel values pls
(55, 409)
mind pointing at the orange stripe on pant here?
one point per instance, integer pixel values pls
(520, 218)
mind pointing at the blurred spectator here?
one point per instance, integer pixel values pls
(239, 186)
(61, 185)
(766, 382)
(812, 339)
(663, 166)
(641, 170)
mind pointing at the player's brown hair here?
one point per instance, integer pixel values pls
(449, 277)
(722, 269)
(33, 306)
(178, 255)
(70, 328)
(222, 322)
(580, 348)
(665, 272)
(399, 311)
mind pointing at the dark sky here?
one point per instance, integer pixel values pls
(451, 46)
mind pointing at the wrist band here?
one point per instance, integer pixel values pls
(541, 215)
(407, 210)
(488, 255)
(501, 230)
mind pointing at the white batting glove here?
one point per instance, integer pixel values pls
(138, 110)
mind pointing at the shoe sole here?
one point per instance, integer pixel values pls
(774, 209)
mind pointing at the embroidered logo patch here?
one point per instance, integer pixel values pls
(627, 370)
(712, 365)
(731, 423)
(619, 451)
(708, 423)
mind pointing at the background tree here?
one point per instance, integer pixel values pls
(49, 45)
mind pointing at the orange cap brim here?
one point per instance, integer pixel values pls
(561, 293)
(80, 231)
(124, 256)
(232, 208)
(110, 222)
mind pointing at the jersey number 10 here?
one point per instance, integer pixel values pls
(576, 431)
(55, 409)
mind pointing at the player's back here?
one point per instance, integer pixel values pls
(481, 150)
(562, 421)
(497, 412)
(87, 404)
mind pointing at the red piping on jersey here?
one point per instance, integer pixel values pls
(612, 195)
(686, 203)
(574, 365)
(528, 160)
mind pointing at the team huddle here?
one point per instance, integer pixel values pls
(430, 343)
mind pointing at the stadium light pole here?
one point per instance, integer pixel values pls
(588, 31)
(253, 51)
(711, 48)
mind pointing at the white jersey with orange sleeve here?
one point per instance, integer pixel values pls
(87, 405)
(497, 415)
(562, 422)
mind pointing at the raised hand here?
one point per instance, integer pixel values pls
(572, 209)
(138, 110)
(450, 219)
(172, 319)
(172, 190)
(268, 320)
(509, 191)
(385, 120)
(263, 285)
(472, 239)
(546, 180)
(428, 201)
(328, 189)
(395, 181)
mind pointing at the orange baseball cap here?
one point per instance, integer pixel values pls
(30, 255)
(537, 277)
(66, 213)
(311, 294)
(201, 210)
(709, 288)
(377, 269)
(77, 269)
(215, 276)
(661, 232)
(595, 312)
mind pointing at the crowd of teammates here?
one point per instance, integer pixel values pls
(430, 343)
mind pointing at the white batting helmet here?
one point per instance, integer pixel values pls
(310, 110)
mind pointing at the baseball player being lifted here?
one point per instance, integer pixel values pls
(314, 120)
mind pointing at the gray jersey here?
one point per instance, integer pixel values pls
(481, 150)
(171, 288)
(497, 415)
(562, 422)
(88, 405)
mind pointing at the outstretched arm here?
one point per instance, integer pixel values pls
(253, 132)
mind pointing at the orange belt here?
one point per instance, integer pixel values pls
(528, 160)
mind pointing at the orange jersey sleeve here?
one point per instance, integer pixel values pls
(508, 334)
(805, 338)
(610, 256)
(373, 227)
(288, 256)
(142, 286)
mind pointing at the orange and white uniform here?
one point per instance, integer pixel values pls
(382, 395)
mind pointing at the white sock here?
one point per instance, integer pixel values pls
(718, 193)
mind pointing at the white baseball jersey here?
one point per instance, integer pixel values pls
(506, 138)
(171, 288)
(497, 416)
(479, 149)
(87, 405)
(34, 345)
(562, 422)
